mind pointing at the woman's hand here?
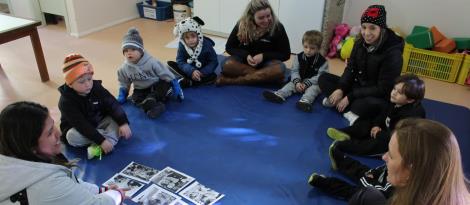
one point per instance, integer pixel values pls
(258, 58)
(336, 96)
(250, 61)
(342, 104)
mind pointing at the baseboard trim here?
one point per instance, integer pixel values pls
(104, 26)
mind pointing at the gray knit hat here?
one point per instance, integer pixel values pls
(132, 40)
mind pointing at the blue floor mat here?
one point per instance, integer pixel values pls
(235, 142)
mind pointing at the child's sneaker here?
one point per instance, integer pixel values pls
(93, 151)
(316, 179)
(304, 106)
(351, 117)
(337, 135)
(331, 153)
(156, 110)
(327, 103)
(273, 97)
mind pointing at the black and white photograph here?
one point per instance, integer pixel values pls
(180, 202)
(140, 172)
(172, 180)
(125, 182)
(201, 195)
(155, 195)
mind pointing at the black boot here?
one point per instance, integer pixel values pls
(156, 111)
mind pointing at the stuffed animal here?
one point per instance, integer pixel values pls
(341, 31)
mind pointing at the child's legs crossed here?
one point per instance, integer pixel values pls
(76, 139)
(287, 90)
(109, 129)
(310, 94)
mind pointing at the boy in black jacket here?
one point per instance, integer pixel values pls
(90, 114)
(370, 183)
(307, 66)
(371, 136)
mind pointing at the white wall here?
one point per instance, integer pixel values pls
(450, 17)
(25, 9)
(87, 16)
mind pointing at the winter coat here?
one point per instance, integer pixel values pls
(208, 58)
(84, 113)
(372, 74)
(308, 69)
(48, 184)
(275, 47)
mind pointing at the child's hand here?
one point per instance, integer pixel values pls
(374, 131)
(196, 76)
(106, 146)
(300, 87)
(125, 131)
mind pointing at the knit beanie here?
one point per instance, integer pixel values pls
(133, 40)
(74, 67)
(194, 25)
(375, 14)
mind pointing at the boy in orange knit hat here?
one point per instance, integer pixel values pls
(91, 116)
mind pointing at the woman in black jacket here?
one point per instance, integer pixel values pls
(258, 45)
(376, 61)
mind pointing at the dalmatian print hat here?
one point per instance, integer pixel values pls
(191, 24)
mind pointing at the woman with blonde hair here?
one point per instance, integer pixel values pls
(424, 165)
(258, 45)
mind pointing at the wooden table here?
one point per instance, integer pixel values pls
(12, 28)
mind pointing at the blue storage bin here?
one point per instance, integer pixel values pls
(162, 12)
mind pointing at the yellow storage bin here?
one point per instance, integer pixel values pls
(464, 70)
(431, 64)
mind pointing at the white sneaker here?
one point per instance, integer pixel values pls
(351, 117)
(327, 103)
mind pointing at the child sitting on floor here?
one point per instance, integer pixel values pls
(307, 67)
(196, 59)
(371, 136)
(89, 113)
(152, 80)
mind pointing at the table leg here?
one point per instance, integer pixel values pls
(39, 55)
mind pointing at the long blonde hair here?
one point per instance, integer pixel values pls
(430, 151)
(247, 27)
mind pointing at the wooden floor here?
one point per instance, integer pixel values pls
(19, 77)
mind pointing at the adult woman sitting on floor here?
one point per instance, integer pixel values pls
(258, 45)
(32, 168)
(376, 61)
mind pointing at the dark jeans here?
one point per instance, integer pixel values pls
(363, 107)
(157, 91)
(361, 142)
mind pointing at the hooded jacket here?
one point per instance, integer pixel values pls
(49, 184)
(208, 58)
(373, 73)
(84, 113)
(144, 73)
